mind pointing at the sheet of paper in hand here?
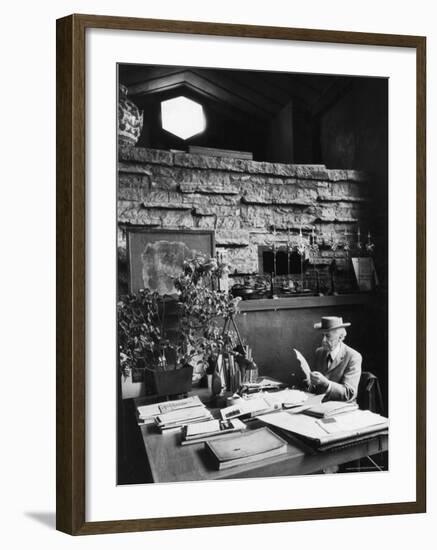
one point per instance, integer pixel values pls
(303, 363)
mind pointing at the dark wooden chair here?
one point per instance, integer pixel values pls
(369, 397)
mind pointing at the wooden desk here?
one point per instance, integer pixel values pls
(169, 461)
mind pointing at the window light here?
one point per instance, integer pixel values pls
(182, 117)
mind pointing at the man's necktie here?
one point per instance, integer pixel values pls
(329, 361)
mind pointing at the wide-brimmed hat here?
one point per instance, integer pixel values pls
(331, 323)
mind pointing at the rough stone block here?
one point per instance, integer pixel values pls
(219, 223)
(165, 199)
(140, 154)
(177, 219)
(281, 218)
(212, 163)
(346, 175)
(340, 212)
(276, 169)
(163, 177)
(232, 238)
(206, 222)
(204, 176)
(242, 260)
(301, 171)
(228, 222)
(344, 191)
(311, 172)
(134, 168)
(135, 214)
(197, 199)
(140, 180)
(279, 194)
(219, 187)
(222, 211)
(133, 187)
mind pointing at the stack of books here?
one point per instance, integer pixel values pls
(250, 446)
(210, 430)
(180, 417)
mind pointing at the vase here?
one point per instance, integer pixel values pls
(130, 120)
(173, 382)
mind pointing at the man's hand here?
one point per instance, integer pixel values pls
(319, 381)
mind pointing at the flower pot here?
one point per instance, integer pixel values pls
(173, 382)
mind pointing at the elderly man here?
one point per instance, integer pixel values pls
(337, 367)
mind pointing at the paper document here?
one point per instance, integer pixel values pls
(192, 401)
(303, 363)
(351, 421)
(245, 407)
(203, 427)
(349, 425)
(286, 398)
(182, 415)
(148, 411)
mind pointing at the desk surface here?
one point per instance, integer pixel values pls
(170, 461)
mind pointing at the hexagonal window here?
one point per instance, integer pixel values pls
(182, 117)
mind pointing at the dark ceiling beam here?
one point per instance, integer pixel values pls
(241, 90)
(263, 83)
(202, 86)
(219, 107)
(132, 75)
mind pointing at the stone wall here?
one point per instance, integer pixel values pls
(240, 200)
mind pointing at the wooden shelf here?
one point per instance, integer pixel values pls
(300, 302)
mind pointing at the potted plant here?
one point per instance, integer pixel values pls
(202, 310)
(143, 344)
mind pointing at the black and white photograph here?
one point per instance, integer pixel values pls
(252, 274)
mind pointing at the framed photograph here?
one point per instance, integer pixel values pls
(156, 257)
(226, 195)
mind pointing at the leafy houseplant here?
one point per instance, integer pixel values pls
(140, 330)
(142, 324)
(143, 344)
(202, 309)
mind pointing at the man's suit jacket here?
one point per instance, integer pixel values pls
(344, 372)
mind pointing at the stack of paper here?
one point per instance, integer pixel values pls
(250, 446)
(209, 430)
(320, 432)
(247, 408)
(331, 408)
(148, 413)
(263, 383)
(181, 417)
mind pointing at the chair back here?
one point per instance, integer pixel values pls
(369, 395)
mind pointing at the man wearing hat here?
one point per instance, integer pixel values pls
(337, 367)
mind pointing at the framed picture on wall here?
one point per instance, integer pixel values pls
(156, 257)
(239, 167)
